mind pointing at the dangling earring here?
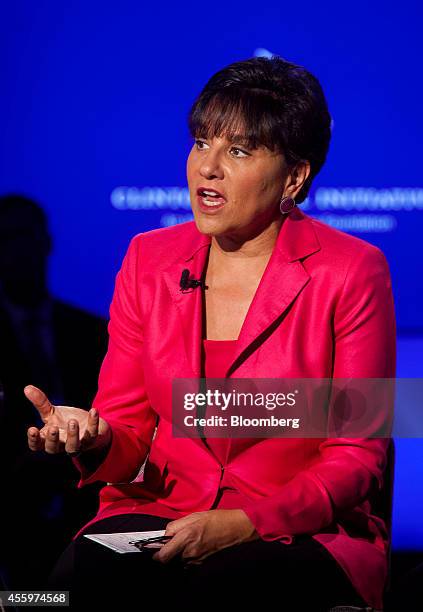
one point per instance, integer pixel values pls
(287, 204)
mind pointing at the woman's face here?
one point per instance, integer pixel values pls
(250, 182)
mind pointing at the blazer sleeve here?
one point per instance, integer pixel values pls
(121, 398)
(347, 469)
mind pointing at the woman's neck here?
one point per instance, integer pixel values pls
(255, 244)
(229, 255)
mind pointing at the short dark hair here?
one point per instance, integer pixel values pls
(269, 102)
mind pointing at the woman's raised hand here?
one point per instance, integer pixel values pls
(66, 429)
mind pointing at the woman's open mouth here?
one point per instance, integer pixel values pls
(209, 200)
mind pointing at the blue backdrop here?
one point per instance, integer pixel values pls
(93, 107)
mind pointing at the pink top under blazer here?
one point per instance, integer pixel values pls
(323, 309)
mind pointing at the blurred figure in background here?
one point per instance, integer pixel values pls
(59, 348)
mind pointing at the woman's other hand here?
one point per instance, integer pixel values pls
(67, 429)
(200, 534)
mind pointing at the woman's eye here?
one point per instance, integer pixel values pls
(238, 150)
(199, 144)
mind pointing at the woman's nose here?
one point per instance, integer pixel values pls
(210, 166)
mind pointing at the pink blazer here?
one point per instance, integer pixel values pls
(324, 308)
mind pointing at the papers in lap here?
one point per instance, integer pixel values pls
(119, 542)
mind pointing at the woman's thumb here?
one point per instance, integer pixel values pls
(40, 401)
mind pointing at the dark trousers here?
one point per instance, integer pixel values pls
(268, 575)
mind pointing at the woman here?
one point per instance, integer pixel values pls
(283, 296)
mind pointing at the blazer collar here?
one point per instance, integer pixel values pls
(296, 240)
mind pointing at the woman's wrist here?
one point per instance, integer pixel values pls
(247, 528)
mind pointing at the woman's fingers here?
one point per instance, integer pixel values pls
(40, 401)
(55, 437)
(172, 548)
(73, 443)
(52, 442)
(91, 430)
(92, 424)
(35, 442)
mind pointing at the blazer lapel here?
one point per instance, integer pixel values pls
(189, 303)
(282, 280)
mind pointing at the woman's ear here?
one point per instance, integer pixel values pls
(297, 176)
